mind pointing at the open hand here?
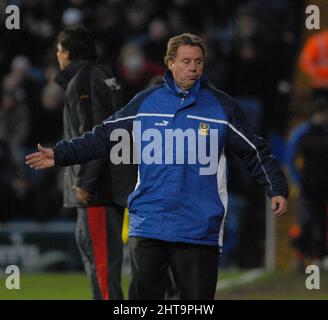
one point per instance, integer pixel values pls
(42, 159)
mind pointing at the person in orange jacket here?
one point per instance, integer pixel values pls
(314, 62)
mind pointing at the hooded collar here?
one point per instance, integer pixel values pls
(65, 76)
(171, 85)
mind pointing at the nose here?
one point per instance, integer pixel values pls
(193, 66)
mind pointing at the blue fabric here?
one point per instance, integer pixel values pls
(173, 202)
(292, 149)
(180, 91)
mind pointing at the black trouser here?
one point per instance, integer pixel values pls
(99, 239)
(313, 241)
(194, 268)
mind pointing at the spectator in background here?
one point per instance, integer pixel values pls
(109, 21)
(314, 62)
(14, 123)
(308, 163)
(95, 188)
(136, 70)
(156, 40)
(245, 81)
(137, 17)
(278, 46)
(50, 129)
(17, 197)
(23, 80)
(176, 21)
(51, 113)
(7, 176)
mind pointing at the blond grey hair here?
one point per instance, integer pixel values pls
(181, 40)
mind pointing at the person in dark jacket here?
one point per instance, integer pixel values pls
(308, 163)
(178, 208)
(95, 188)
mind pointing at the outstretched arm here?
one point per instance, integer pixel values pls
(92, 145)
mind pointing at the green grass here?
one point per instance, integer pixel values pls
(75, 286)
(52, 286)
(62, 286)
(277, 286)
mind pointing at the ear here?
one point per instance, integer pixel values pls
(170, 63)
(68, 55)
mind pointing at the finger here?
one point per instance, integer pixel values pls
(40, 147)
(44, 151)
(83, 200)
(33, 161)
(279, 214)
(86, 197)
(37, 163)
(32, 155)
(281, 209)
(38, 166)
(278, 211)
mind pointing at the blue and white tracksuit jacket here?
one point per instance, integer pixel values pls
(173, 202)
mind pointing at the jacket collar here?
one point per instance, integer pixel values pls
(65, 76)
(199, 84)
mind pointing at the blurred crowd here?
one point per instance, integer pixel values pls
(307, 158)
(252, 55)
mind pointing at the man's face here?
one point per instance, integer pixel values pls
(187, 66)
(62, 57)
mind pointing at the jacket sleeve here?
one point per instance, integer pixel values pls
(254, 151)
(91, 145)
(96, 144)
(103, 100)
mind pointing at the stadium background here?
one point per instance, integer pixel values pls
(253, 48)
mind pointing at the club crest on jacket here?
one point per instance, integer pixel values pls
(203, 129)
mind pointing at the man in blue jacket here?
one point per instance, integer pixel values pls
(178, 208)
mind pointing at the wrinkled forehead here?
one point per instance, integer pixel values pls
(190, 52)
